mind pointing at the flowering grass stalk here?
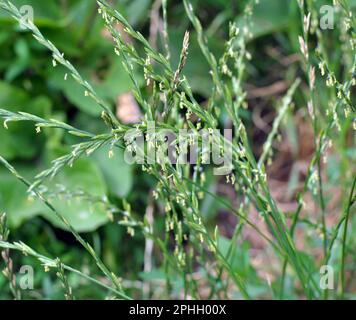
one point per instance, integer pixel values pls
(8, 272)
(168, 101)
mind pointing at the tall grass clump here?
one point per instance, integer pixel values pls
(186, 247)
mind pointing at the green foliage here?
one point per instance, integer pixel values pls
(160, 230)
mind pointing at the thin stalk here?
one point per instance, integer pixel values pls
(86, 245)
(51, 263)
(351, 201)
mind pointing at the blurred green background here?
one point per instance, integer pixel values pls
(30, 83)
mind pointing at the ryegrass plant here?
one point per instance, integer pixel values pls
(169, 102)
(5, 254)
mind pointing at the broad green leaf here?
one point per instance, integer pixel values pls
(20, 139)
(82, 214)
(115, 82)
(21, 62)
(73, 91)
(117, 173)
(238, 259)
(138, 11)
(14, 199)
(268, 16)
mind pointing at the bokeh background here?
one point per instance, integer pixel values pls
(30, 83)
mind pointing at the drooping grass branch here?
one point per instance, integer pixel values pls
(53, 263)
(58, 57)
(86, 245)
